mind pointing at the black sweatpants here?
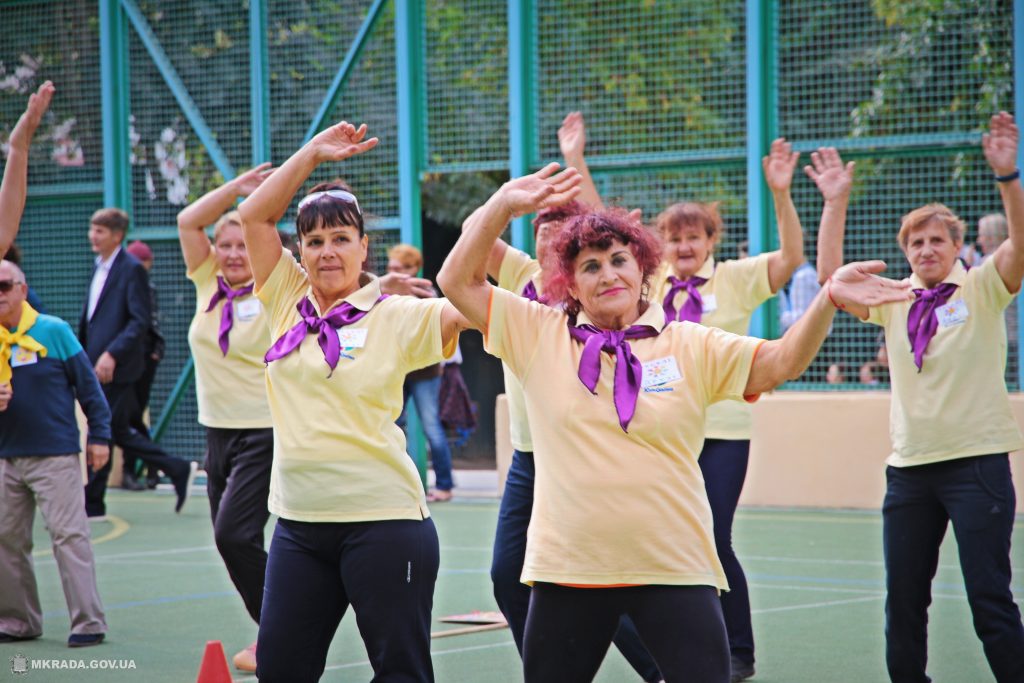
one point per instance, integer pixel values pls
(568, 631)
(238, 484)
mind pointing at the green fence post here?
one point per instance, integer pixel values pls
(762, 126)
(1018, 109)
(411, 114)
(115, 90)
(521, 109)
(259, 82)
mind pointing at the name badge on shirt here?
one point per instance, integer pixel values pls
(710, 305)
(247, 310)
(657, 373)
(952, 313)
(23, 357)
(352, 338)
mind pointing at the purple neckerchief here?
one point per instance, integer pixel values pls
(628, 369)
(340, 316)
(530, 291)
(225, 292)
(694, 306)
(921, 320)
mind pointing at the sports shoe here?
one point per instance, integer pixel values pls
(11, 638)
(130, 482)
(85, 639)
(245, 660)
(184, 487)
(741, 670)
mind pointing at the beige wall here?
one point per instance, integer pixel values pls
(810, 449)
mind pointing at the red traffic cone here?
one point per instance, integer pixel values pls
(214, 667)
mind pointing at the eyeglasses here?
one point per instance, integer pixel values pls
(8, 285)
(344, 196)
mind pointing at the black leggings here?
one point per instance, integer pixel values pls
(568, 631)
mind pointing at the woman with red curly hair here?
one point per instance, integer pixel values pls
(616, 400)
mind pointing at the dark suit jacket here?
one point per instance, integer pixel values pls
(121, 320)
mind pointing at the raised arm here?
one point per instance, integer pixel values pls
(778, 173)
(855, 286)
(463, 277)
(194, 218)
(267, 204)
(498, 249)
(15, 183)
(1000, 146)
(572, 140)
(834, 181)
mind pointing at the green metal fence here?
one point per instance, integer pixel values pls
(159, 101)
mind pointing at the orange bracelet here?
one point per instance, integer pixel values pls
(828, 285)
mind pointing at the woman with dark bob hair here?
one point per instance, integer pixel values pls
(616, 401)
(354, 527)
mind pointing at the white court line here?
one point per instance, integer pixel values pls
(816, 605)
(143, 553)
(823, 560)
(433, 653)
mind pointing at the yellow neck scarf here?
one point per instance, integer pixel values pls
(9, 339)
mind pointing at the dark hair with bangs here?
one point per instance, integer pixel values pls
(558, 214)
(327, 211)
(597, 230)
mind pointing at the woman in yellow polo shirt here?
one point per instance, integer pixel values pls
(228, 337)
(692, 285)
(354, 528)
(951, 425)
(616, 400)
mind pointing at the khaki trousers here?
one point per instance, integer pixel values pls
(54, 483)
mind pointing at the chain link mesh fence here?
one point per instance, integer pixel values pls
(902, 88)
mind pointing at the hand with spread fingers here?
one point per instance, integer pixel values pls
(547, 187)
(779, 164)
(833, 178)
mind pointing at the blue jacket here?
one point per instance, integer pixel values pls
(40, 418)
(120, 324)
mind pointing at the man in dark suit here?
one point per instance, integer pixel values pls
(113, 328)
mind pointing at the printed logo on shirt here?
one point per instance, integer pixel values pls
(247, 310)
(350, 340)
(952, 313)
(709, 303)
(658, 373)
(23, 357)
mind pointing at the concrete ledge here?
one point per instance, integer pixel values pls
(809, 449)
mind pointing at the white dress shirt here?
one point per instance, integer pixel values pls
(99, 279)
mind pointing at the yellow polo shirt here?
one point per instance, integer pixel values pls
(957, 405)
(733, 291)
(611, 507)
(231, 390)
(338, 454)
(517, 269)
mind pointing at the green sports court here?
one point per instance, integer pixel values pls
(816, 581)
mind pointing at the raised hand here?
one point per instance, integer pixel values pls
(834, 180)
(572, 136)
(1000, 144)
(547, 187)
(858, 284)
(778, 166)
(246, 183)
(341, 141)
(25, 128)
